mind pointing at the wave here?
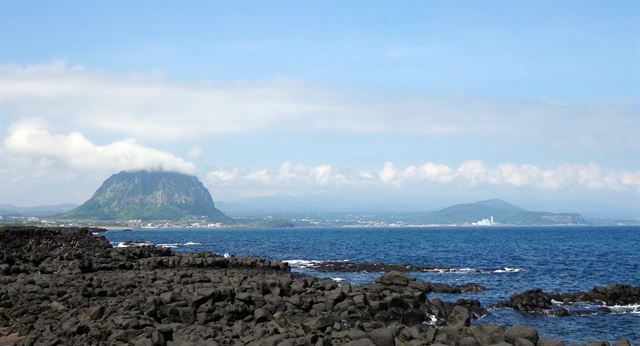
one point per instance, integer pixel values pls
(136, 243)
(169, 245)
(303, 263)
(311, 264)
(589, 309)
(476, 271)
(123, 244)
(625, 309)
(509, 270)
(456, 270)
(308, 264)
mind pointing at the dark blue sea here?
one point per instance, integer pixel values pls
(506, 260)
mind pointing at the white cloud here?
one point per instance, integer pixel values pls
(261, 176)
(154, 108)
(473, 170)
(409, 172)
(388, 173)
(436, 172)
(288, 174)
(31, 141)
(222, 175)
(367, 175)
(322, 174)
(299, 178)
(147, 110)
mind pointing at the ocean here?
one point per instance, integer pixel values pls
(506, 260)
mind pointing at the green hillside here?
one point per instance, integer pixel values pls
(149, 195)
(502, 212)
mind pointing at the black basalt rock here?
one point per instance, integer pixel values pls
(69, 287)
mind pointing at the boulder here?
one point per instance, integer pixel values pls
(393, 278)
(468, 341)
(488, 334)
(459, 317)
(261, 315)
(549, 342)
(523, 342)
(320, 323)
(521, 331)
(382, 337)
(361, 342)
(534, 300)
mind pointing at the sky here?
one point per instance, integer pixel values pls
(414, 105)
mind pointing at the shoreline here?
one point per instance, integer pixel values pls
(67, 286)
(231, 227)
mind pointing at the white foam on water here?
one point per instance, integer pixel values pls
(226, 255)
(475, 271)
(593, 307)
(338, 279)
(432, 320)
(625, 309)
(466, 270)
(310, 264)
(439, 270)
(509, 270)
(123, 244)
(298, 263)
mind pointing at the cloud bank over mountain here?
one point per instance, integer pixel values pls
(297, 178)
(31, 140)
(63, 122)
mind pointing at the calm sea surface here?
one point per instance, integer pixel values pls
(506, 260)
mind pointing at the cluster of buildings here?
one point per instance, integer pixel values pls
(163, 224)
(484, 222)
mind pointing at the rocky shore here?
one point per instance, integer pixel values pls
(350, 267)
(604, 297)
(69, 287)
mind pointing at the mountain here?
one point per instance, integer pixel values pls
(41, 210)
(149, 195)
(502, 212)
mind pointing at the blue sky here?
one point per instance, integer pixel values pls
(565, 49)
(388, 99)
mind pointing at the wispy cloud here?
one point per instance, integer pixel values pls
(303, 178)
(154, 108)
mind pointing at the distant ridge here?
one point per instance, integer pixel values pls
(40, 210)
(502, 212)
(324, 207)
(149, 195)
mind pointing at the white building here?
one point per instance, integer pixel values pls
(484, 222)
